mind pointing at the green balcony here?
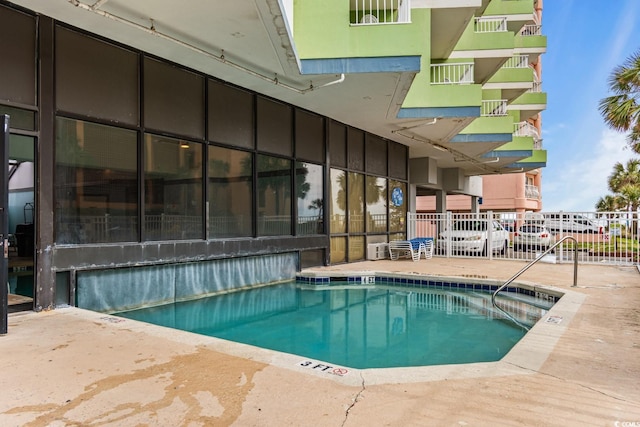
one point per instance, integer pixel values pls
(327, 42)
(518, 12)
(513, 79)
(530, 103)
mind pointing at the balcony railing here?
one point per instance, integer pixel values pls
(517, 61)
(531, 30)
(527, 129)
(449, 74)
(374, 12)
(536, 88)
(494, 108)
(531, 191)
(491, 25)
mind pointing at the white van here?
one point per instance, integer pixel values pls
(570, 222)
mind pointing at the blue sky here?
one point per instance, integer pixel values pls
(585, 41)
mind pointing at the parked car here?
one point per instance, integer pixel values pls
(472, 236)
(534, 236)
(571, 223)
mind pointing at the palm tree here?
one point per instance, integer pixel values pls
(608, 203)
(624, 181)
(621, 111)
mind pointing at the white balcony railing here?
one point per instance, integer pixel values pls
(527, 129)
(531, 30)
(536, 88)
(531, 191)
(449, 74)
(494, 108)
(517, 61)
(496, 24)
(374, 12)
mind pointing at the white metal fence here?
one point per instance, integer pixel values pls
(602, 237)
(372, 12)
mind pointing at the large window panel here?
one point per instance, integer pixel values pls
(376, 155)
(356, 202)
(310, 198)
(173, 188)
(274, 123)
(95, 78)
(230, 115)
(355, 149)
(338, 144)
(338, 206)
(274, 196)
(376, 192)
(173, 99)
(18, 50)
(309, 136)
(398, 160)
(96, 190)
(230, 192)
(397, 206)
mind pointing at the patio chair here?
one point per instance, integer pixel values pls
(401, 248)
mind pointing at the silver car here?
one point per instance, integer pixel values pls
(534, 236)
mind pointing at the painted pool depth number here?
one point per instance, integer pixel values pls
(327, 369)
(368, 280)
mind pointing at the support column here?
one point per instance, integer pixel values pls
(475, 204)
(441, 201)
(45, 166)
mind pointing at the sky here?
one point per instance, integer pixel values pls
(586, 40)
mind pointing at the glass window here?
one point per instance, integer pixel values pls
(95, 78)
(376, 190)
(19, 118)
(173, 188)
(309, 136)
(356, 203)
(230, 115)
(398, 206)
(173, 99)
(274, 196)
(338, 207)
(18, 39)
(356, 248)
(338, 250)
(230, 192)
(274, 127)
(96, 185)
(310, 198)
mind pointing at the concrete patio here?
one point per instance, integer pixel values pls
(74, 367)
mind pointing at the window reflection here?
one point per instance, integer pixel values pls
(376, 190)
(96, 189)
(356, 202)
(230, 192)
(173, 188)
(274, 196)
(338, 206)
(310, 198)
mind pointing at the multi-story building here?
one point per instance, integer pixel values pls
(162, 150)
(512, 192)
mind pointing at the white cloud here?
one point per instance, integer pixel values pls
(579, 185)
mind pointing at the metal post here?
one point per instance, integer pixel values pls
(4, 225)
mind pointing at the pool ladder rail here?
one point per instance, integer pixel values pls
(528, 266)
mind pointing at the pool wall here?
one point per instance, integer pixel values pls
(129, 288)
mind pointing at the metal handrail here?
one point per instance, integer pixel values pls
(526, 267)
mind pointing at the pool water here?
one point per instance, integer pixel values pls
(354, 326)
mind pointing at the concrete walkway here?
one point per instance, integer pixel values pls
(71, 367)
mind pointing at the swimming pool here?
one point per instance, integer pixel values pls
(354, 325)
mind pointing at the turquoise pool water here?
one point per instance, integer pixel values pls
(357, 326)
